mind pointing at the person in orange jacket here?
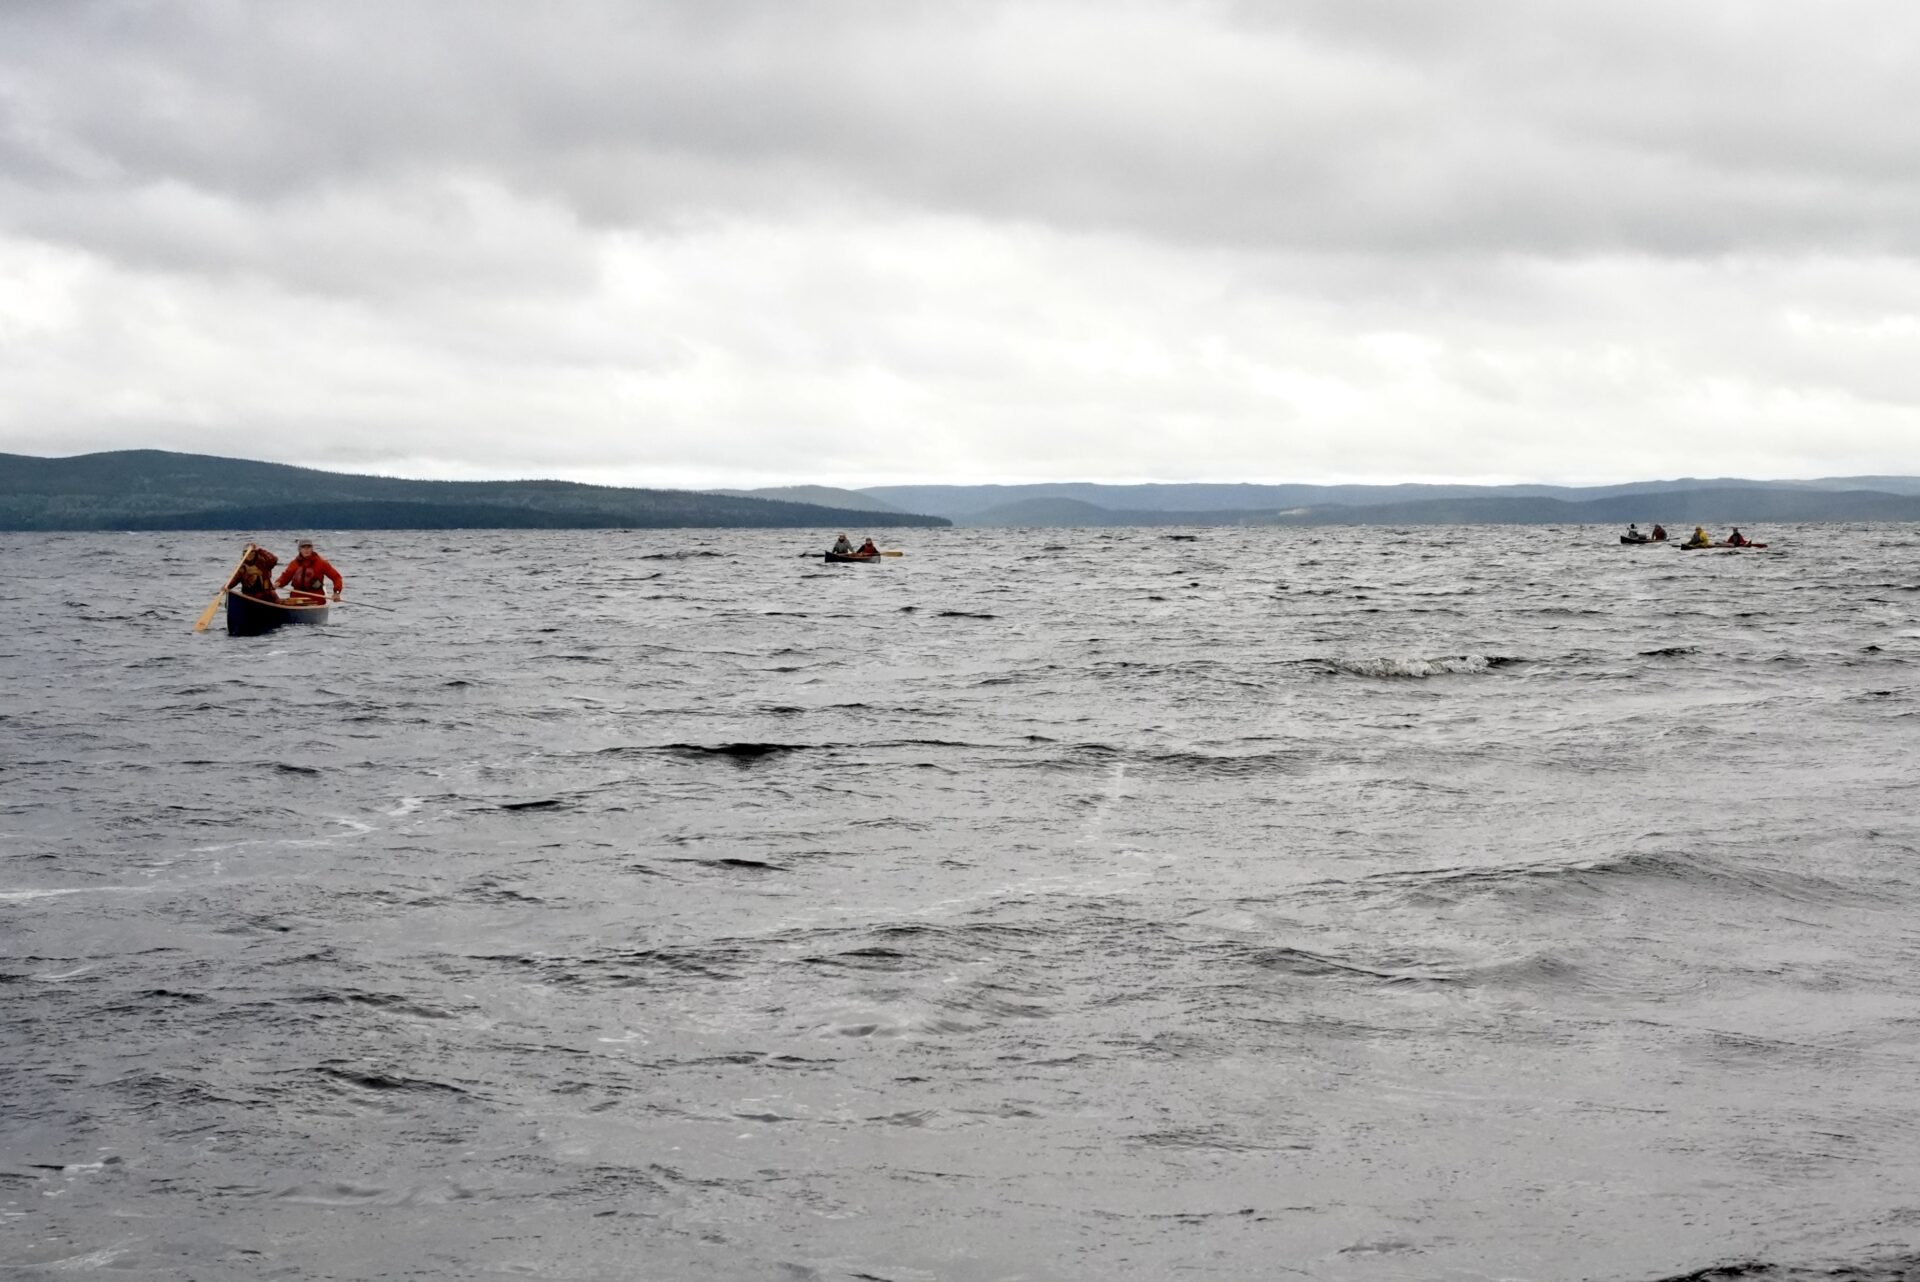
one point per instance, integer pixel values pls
(308, 574)
(254, 578)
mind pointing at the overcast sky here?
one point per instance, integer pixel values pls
(757, 241)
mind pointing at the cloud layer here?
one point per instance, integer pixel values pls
(732, 241)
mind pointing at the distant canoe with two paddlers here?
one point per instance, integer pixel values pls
(861, 557)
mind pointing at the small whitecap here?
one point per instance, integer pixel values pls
(1389, 668)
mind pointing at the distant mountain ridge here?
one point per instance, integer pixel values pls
(819, 495)
(161, 490)
(1003, 504)
(1677, 509)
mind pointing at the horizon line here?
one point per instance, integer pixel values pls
(1480, 482)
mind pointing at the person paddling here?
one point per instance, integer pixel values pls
(867, 549)
(842, 546)
(308, 575)
(1700, 538)
(1737, 539)
(1633, 533)
(1659, 534)
(254, 578)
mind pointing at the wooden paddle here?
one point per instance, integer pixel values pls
(221, 595)
(893, 554)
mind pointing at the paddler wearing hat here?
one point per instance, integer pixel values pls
(308, 573)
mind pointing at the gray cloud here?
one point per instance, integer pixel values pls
(1496, 127)
(701, 240)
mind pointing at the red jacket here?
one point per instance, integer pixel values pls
(310, 574)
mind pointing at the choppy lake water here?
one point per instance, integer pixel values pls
(1349, 904)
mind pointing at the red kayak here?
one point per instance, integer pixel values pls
(1721, 547)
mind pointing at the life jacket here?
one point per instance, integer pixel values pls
(256, 574)
(308, 574)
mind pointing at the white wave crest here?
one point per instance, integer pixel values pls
(1414, 669)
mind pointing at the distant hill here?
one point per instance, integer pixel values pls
(973, 504)
(969, 503)
(818, 495)
(1884, 484)
(1058, 512)
(1677, 509)
(158, 490)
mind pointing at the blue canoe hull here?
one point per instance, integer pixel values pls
(250, 617)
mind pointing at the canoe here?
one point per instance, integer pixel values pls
(250, 617)
(849, 558)
(1722, 547)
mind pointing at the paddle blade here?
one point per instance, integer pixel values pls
(221, 595)
(893, 554)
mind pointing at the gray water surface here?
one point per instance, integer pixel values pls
(1350, 904)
